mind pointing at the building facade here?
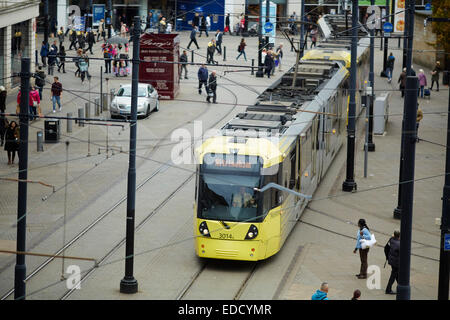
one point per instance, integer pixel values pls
(17, 37)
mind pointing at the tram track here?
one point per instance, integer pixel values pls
(163, 167)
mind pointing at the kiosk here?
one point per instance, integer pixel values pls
(155, 49)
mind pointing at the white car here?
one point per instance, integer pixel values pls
(147, 101)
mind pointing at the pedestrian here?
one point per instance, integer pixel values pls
(81, 40)
(73, 39)
(242, 24)
(196, 20)
(418, 118)
(210, 51)
(35, 108)
(56, 93)
(435, 75)
(44, 53)
(392, 251)
(149, 21)
(321, 294)
(313, 37)
(76, 61)
(219, 36)
(101, 30)
(62, 59)
(40, 80)
(203, 26)
(52, 56)
(123, 30)
(208, 23)
(84, 69)
(422, 82)
(184, 60)
(3, 126)
(61, 37)
(390, 66)
(202, 79)
(53, 26)
(279, 53)
(402, 81)
(193, 39)
(2, 99)
(241, 49)
(363, 233)
(107, 55)
(356, 295)
(212, 86)
(90, 37)
(227, 24)
(162, 25)
(12, 141)
(269, 63)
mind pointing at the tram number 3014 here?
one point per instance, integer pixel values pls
(225, 236)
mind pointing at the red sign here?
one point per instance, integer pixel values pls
(156, 50)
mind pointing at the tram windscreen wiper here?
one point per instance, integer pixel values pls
(225, 225)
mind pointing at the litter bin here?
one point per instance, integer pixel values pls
(52, 131)
(445, 78)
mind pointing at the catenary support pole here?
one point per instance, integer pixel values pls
(370, 144)
(129, 284)
(20, 268)
(349, 184)
(408, 60)
(260, 72)
(444, 257)
(409, 118)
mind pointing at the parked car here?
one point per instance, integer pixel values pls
(148, 101)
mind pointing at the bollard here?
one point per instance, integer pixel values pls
(105, 102)
(69, 122)
(192, 56)
(97, 106)
(253, 64)
(224, 53)
(40, 141)
(80, 115)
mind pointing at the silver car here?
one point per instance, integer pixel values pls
(147, 101)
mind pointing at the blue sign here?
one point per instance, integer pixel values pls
(428, 6)
(268, 26)
(199, 9)
(98, 13)
(388, 27)
(447, 242)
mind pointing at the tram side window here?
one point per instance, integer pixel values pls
(293, 171)
(270, 196)
(306, 150)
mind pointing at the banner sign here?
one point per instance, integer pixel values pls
(399, 18)
(98, 11)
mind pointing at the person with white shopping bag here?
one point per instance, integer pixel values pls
(364, 240)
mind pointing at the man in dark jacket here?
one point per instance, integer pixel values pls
(212, 85)
(390, 66)
(202, 79)
(184, 60)
(219, 36)
(227, 23)
(90, 37)
(44, 53)
(73, 39)
(393, 256)
(269, 63)
(40, 81)
(52, 58)
(193, 39)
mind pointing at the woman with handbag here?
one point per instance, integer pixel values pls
(36, 101)
(12, 141)
(363, 233)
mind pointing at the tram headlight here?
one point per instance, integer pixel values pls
(203, 228)
(252, 232)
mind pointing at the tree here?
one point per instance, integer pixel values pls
(441, 9)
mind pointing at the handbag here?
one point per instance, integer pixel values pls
(368, 243)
